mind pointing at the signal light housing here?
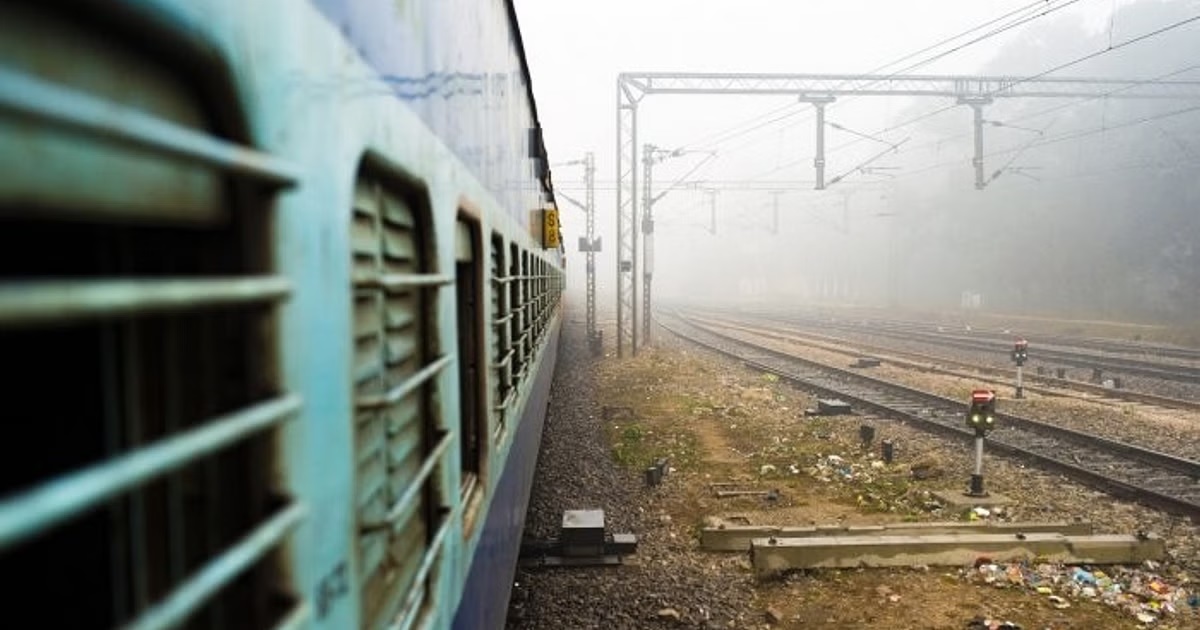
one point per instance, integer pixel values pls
(982, 415)
(1020, 352)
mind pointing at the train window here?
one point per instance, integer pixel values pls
(138, 317)
(472, 425)
(536, 303)
(400, 444)
(540, 282)
(502, 352)
(527, 313)
(544, 297)
(516, 304)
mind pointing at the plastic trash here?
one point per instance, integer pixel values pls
(1083, 577)
(1058, 602)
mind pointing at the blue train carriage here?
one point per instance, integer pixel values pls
(280, 300)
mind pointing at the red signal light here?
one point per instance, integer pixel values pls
(982, 396)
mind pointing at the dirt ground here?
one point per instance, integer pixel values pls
(717, 421)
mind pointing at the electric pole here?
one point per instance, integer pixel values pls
(589, 244)
(650, 156)
(977, 103)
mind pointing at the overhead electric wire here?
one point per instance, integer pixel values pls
(680, 179)
(1104, 51)
(1015, 156)
(1048, 110)
(1068, 64)
(1072, 135)
(988, 35)
(1025, 19)
(985, 36)
(705, 140)
(1022, 20)
(962, 34)
(946, 108)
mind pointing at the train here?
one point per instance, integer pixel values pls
(281, 289)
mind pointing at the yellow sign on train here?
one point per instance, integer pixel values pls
(550, 235)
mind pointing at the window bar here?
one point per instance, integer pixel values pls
(39, 100)
(405, 388)
(401, 504)
(52, 502)
(435, 549)
(508, 400)
(219, 572)
(23, 303)
(506, 360)
(392, 281)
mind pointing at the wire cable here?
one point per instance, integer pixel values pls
(1065, 137)
(707, 141)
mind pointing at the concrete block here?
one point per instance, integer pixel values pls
(832, 407)
(728, 537)
(770, 556)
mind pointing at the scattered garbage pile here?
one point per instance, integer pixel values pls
(879, 486)
(837, 468)
(1143, 591)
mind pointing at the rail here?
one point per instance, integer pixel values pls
(1120, 469)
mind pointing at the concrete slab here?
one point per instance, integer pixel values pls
(960, 500)
(720, 536)
(771, 556)
(832, 407)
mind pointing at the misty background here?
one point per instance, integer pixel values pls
(1092, 207)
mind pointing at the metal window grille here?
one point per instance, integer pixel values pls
(502, 353)
(527, 313)
(399, 444)
(516, 304)
(144, 404)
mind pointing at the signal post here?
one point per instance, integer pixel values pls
(1020, 354)
(982, 418)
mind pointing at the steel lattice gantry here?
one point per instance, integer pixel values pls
(820, 90)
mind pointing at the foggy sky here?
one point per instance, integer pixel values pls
(1102, 224)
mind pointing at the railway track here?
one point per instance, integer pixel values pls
(1097, 344)
(1046, 385)
(1139, 367)
(1153, 478)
